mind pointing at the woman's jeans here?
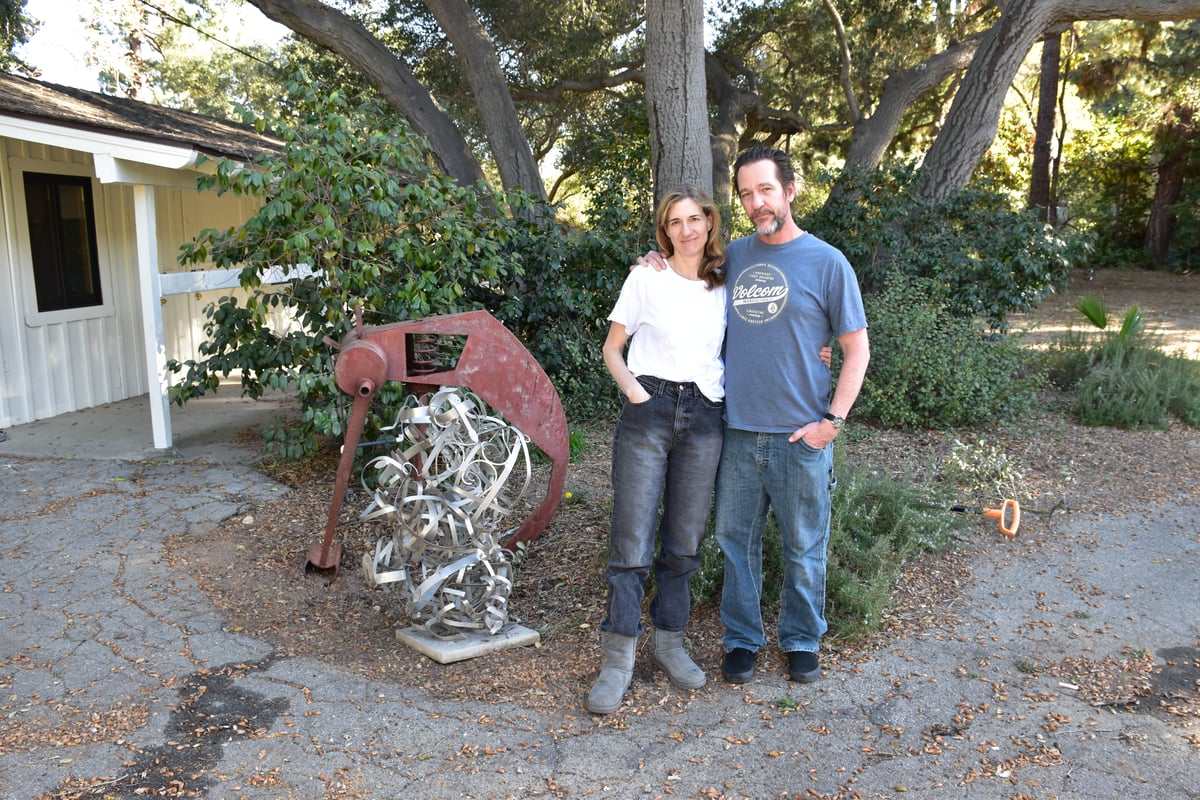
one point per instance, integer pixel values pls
(665, 454)
(761, 471)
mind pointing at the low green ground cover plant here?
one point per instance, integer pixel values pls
(878, 525)
(1120, 377)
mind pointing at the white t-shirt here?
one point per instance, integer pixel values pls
(677, 328)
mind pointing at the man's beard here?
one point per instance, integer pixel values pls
(771, 227)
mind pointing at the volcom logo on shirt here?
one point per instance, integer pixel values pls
(759, 294)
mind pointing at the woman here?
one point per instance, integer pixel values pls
(667, 443)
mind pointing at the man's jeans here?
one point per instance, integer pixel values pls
(665, 451)
(761, 471)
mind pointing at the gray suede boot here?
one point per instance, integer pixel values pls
(670, 655)
(616, 671)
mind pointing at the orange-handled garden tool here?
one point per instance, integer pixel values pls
(1009, 515)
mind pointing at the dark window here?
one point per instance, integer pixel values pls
(62, 235)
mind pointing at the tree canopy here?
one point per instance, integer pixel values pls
(15, 29)
(914, 127)
(566, 99)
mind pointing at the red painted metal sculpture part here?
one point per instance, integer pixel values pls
(493, 363)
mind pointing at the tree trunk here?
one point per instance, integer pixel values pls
(975, 112)
(510, 148)
(1040, 196)
(729, 115)
(1161, 224)
(676, 103)
(347, 37)
(1175, 142)
(873, 134)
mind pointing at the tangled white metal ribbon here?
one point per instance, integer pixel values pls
(445, 488)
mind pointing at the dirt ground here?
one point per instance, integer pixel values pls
(252, 567)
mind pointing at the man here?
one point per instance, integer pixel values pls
(789, 294)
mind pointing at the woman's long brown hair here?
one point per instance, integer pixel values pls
(712, 263)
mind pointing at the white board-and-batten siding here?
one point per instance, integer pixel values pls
(59, 362)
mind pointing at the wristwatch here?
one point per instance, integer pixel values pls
(836, 421)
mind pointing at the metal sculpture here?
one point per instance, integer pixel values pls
(445, 490)
(493, 363)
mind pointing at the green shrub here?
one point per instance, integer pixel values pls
(1132, 384)
(1122, 378)
(1184, 377)
(1109, 187)
(1067, 360)
(981, 467)
(561, 311)
(877, 525)
(353, 196)
(1128, 393)
(991, 258)
(932, 369)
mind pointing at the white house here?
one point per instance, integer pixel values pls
(97, 194)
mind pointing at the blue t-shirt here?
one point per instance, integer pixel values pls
(785, 302)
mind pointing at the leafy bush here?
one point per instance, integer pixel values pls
(1109, 187)
(991, 259)
(878, 525)
(354, 200)
(561, 310)
(1184, 388)
(981, 467)
(1067, 360)
(567, 316)
(1130, 384)
(1124, 390)
(353, 197)
(932, 369)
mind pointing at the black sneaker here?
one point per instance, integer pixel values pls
(738, 666)
(803, 666)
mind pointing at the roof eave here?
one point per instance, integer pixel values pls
(118, 159)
